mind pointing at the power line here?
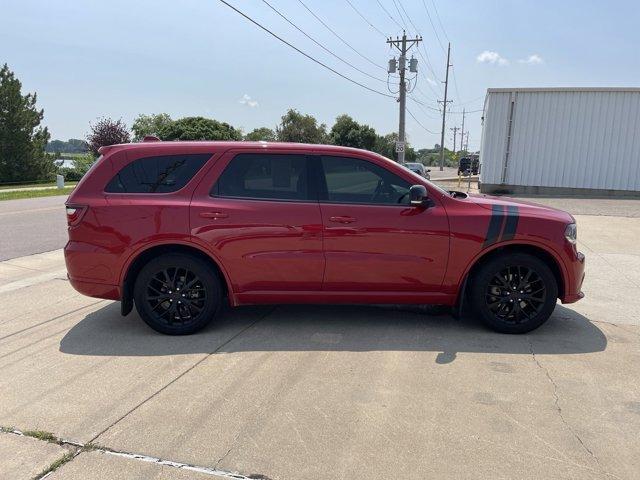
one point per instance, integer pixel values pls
(423, 109)
(321, 45)
(439, 21)
(339, 37)
(303, 53)
(400, 15)
(439, 110)
(388, 14)
(426, 56)
(416, 87)
(418, 122)
(435, 30)
(467, 111)
(455, 84)
(365, 19)
(471, 101)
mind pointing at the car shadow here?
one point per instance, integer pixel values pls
(329, 328)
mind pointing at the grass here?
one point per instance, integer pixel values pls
(51, 438)
(67, 457)
(15, 195)
(8, 186)
(41, 435)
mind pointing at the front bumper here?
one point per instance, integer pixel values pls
(573, 288)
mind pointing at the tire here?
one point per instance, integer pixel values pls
(507, 309)
(168, 310)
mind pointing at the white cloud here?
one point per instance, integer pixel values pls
(534, 59)
(432, 81)
(489, 56)
(246, 100)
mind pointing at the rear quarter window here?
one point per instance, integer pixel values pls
(158, 174)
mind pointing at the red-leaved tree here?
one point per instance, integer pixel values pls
(107, 132)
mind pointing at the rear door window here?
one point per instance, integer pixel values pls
(159, 174)
(264, 177)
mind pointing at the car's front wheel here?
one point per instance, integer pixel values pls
(177, 294)
(514, 293)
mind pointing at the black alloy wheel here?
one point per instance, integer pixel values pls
(514, 292)
(177, 294)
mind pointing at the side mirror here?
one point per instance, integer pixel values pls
(418, 196)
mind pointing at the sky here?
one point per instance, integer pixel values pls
(121, 58)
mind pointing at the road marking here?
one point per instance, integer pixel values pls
(43, 209)
(28, 282)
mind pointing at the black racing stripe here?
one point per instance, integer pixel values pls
(511, 224)
(495, 225)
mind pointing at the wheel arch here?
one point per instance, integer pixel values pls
(546, 255)
(141, 258)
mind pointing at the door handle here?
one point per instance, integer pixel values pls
(214, 215)
(343, 219)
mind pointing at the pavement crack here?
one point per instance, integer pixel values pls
(561, 414)
(76, 448)
(157, 392)
(225, 455)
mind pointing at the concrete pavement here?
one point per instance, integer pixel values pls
(32, 225)
(299, 392)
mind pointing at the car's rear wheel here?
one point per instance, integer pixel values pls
(177, 294)
(514, 293)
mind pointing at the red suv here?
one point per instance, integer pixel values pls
(176, 227)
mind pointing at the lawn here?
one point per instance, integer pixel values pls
(8, 186)
(35, 193)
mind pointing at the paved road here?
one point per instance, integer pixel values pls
(31, 226)
(310, 392)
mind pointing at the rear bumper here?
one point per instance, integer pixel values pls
(98, 290)
(573, 288)
(89, 271)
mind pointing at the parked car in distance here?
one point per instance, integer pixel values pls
(468, 164)
(175, 227)
(418, 168)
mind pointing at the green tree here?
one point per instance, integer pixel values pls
(263, 133)
(107, 132)
(199, 128)
(152, 124)
(349, 133)
(81, 165)
(73, 145)
(431, 157)
(386, 146)
(299, 128)
(22, 139)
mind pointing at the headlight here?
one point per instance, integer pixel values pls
(571, 233)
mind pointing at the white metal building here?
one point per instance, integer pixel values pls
(561, 141)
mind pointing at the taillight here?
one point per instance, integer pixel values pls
(75, 214)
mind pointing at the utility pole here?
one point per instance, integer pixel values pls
(462, 131)
(403, 45)
(455, 131)
(466, 142)
(444, 107)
